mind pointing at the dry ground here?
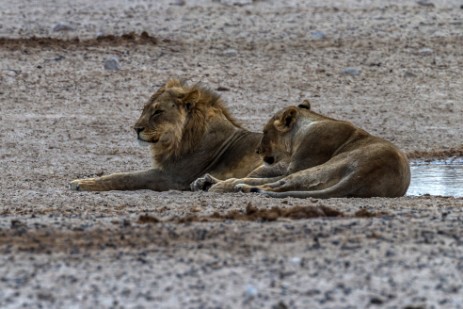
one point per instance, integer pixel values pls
(64, 116)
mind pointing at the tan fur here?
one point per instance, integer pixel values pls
(324, 158)
(191, 133)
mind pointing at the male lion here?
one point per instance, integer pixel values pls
(327, 158)
(191, 133)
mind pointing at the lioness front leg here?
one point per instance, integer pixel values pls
(150, 179)
(236, 185)
(271, 184)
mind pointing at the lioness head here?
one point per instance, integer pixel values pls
(276, 142)
(175, 117)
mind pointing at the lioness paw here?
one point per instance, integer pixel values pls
(246, 188)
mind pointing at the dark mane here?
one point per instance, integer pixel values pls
(212, 99)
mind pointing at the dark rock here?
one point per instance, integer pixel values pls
(352, 71)
(112, 64)
(62, 26)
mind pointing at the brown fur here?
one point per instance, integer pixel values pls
(326, 158)
(191, 133)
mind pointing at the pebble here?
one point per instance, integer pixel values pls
(250, 291)
(112, 64)
(11, 72)
(179, 2)
(409, 74)
(230, 52)
(425, 51)
(62, 26)
(425, 3)
(351, 71)
(236, 2)
(318, 35)
(295, 260)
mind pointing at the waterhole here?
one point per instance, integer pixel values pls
(439, 177)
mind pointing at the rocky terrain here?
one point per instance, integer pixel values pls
(73, 79)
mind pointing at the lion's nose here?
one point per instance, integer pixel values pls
(138, 129)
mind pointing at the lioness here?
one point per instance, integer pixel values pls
(327, 158)
(191, 133)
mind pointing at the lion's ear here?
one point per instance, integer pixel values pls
(176, 94)
(173, 83)
(287, 120)
(305, 104)
(190, 99)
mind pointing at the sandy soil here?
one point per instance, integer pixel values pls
(64, 116)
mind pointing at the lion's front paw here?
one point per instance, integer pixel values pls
(74, 185)
(82, 184)
(203, 183)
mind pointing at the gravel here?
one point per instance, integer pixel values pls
(71, 118)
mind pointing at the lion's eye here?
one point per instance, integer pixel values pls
(157, 113)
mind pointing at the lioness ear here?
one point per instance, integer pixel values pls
(286, 121)
(305, 104)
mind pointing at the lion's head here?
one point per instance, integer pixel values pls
(175, 118)
(276, 141)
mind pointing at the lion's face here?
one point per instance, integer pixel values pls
(164, 119)
(161, 121)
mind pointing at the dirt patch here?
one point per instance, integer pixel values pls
(101, 41)
(143, 219)
(64, 115)
(364, 213)
(151, 231)
(252, 213)
(436, 154)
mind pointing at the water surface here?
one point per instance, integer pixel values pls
(440, 177)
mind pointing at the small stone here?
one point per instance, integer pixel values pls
(318, 35)
(280, 305)
(351, 71)
(112, 64)
(250, 291)
(62, 26)
(230, 52)
(222, 88)
(376, 301)
(236, 2)
(295, 260)
(425, 51)
(179, 2)
(11, 72)
(425, 3)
